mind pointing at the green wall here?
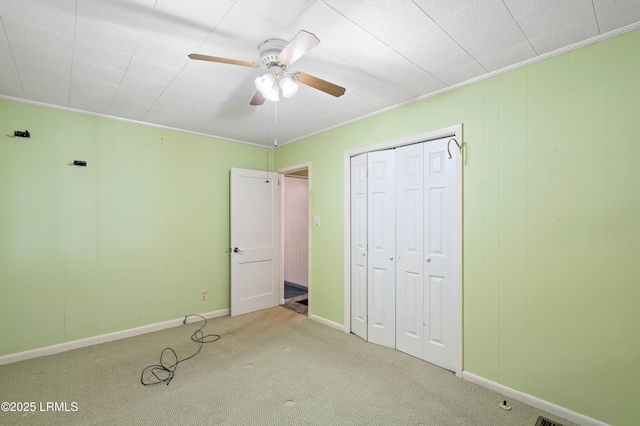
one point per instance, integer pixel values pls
(551, 229)
(128, 241)
(551, 223)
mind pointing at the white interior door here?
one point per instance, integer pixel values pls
(410, 250)
(381, 241)
(254, 240)
(440, 255)
(359, 245)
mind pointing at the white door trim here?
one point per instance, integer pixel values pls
(283, 171)
(453, 131)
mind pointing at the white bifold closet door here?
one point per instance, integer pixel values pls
(425, 207)
(381, 239)
(410, 250)
(359, 246)
(410, 201)
(439, 255)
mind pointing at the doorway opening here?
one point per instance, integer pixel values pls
(295, 239)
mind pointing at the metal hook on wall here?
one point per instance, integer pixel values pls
(449, 143)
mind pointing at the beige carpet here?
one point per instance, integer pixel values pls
(273, 367)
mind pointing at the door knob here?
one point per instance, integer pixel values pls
(428, 259)
(391, 258)
(237, 250)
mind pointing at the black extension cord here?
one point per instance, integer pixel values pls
(165, 371)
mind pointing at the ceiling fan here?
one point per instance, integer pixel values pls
(276, 56)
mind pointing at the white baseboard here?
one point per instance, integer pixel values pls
(533, 401)
(326, 322)
(95, 340)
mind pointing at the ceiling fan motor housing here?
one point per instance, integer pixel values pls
(269, 51)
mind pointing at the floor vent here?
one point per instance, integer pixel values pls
(546, 422)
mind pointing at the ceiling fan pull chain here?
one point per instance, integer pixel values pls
(275, 120)
(267, 169)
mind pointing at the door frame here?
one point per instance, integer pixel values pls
(453, 132)
(282, 172)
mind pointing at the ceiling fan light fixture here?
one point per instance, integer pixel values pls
(289, 86)
(276, 56)
(266, 84)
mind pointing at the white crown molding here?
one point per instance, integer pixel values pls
(492, 74)
(530, 61)
(126, 120)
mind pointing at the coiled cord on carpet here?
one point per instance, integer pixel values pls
(165, 371)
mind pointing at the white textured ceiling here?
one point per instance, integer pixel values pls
(128, 58)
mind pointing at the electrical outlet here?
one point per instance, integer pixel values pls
(203, 295)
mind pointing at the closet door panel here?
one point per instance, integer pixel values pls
(439, 222)
(381, 253)
(359, 245)
(410, 250)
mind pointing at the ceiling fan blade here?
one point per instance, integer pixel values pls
(223, 60)
(320, 84)
(303, 42)
(258, 99)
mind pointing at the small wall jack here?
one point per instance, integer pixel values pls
(79, 163)
(203, 295)
(20, 134)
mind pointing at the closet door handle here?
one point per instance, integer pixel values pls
(390, 257)
(428, 259)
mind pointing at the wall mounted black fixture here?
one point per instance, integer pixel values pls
(20, 134)
(80, 163)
